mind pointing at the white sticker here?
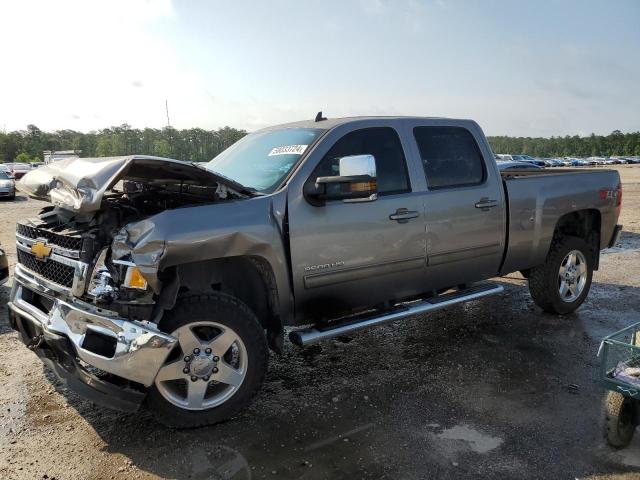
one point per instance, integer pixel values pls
(288, 150)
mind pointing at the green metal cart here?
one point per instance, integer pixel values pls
(619, 355)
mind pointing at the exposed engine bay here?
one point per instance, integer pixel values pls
(82, 230)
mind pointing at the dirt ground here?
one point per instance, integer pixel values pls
(494, 388)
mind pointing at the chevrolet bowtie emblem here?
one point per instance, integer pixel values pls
(40, 250)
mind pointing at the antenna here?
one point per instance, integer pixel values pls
(319, 117)
(166, 106)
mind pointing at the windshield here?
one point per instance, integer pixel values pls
(261, 160)
(4, 176)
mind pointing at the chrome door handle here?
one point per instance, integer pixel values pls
(485, 203)
(403, 215)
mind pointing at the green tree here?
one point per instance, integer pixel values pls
(23, 157)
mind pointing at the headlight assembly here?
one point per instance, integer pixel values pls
(134, 278)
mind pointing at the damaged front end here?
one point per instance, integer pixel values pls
(79, 298)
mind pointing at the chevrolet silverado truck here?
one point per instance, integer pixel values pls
(165, 283)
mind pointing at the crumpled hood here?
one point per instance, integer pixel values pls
(78, 184)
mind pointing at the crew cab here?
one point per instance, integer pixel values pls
(158, 282)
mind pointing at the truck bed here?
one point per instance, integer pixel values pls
(537, 198)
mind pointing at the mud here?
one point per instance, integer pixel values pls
(494, 388)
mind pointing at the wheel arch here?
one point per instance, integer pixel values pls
(248, 278)
(585, 224)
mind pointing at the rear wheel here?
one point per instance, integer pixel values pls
(217, 366)
(619, 424)
(561, 284)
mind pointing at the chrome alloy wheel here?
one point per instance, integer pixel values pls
(206, 370)
(572, 276)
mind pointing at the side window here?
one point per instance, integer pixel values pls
(450, 157)
(381, 142)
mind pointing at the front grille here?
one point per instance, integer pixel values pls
(64, 241)
(49, 269)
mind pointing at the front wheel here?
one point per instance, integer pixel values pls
(217, 366)
(561, 284)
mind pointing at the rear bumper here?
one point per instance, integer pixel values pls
(615, 236)
(77, 338)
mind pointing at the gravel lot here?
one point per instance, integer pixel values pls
(493, 388)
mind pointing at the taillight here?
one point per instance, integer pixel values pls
(616, 195)
(618, 199)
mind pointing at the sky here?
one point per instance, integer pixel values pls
(536, 68)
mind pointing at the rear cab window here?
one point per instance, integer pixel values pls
(450, 157)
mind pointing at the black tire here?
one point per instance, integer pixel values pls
(229, 311)
(543, 280)
(619, 422)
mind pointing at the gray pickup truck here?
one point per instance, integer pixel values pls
(162, 282)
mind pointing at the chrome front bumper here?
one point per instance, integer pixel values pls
(140, 349)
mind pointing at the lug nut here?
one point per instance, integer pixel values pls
(215, 369)
(187, 358)
(215, 359)
(206, 378)
(194, 378)
(185, 370)
(207, 351)
(196, 351)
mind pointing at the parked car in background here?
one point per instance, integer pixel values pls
(37, 164)
(596, 160)
(7, 186)
(506, 165)
(553, 162)
(577, 162)
(18, 170)
(529, 159)
(521, 158)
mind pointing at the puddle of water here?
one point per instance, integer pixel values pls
(477, 441)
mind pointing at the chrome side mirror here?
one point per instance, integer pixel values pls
(356, 182)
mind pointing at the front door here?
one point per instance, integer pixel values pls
(347, 254)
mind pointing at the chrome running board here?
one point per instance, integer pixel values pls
(309, 336)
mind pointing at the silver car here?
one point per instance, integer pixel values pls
(7, 185)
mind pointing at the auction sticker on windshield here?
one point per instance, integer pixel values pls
(288, 150)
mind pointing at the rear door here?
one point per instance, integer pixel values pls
(464, 203)
(347, 254)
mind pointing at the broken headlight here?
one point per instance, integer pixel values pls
(101, 285)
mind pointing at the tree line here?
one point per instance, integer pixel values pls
(614, 144)
(197, 144)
